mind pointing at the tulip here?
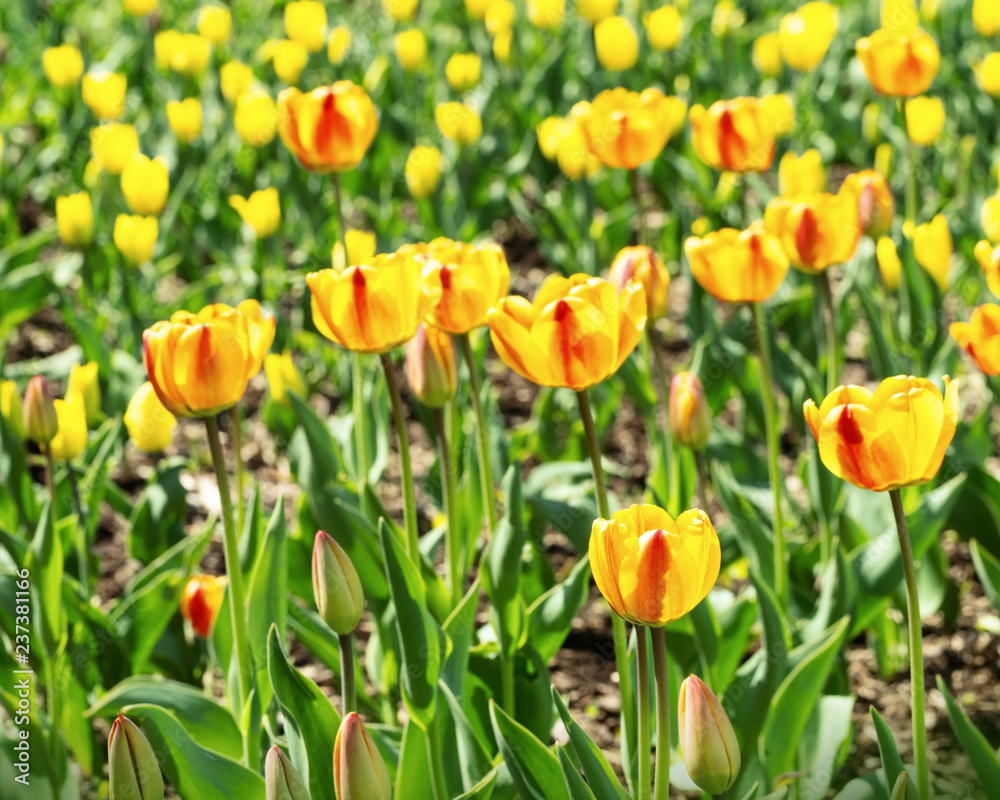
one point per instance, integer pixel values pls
(201, 600)
(642, 264)
(617, 44)
(11, 409)
(338, 45)
(39, 412)
(133, 771)
(290, 59)
(140, 8)
(595, 11)
(870, 122)
(150, 426)
(801, 174)
(189, 54)
(462, 71)
(261, 211)
(663, 27)
(476, 8)
(423, 171)
(84, 381)
(499, 16)
(883, 441)
(360, 250)
(986, 17)
(135, 237)
(104, 93)
(876, 204)
(214, 23)
(235, 78)
(431, 366)
(806, 35)
(577, 332)
(767, 54)
(883, 159)
(988, 73)
(328, 129)
(281, 780)
(340, 599)
(888, 263)
(989, 217)
(546, 14)
(707, 740)
(459, 122)
(980, 338)
(400, 10)
(933, 248)
(256, 117)
(924, 119)
(690, 415)
(165, 43)
(650, 568)
(816, 230)
(735, 135)
(899, 64)
(145, 184)
(411, 49)
(625, 129)
(305, 22)
(563, 139)
(283, 377)
(63, 65)
(359, 772)
(184, 117)
(71, 439)
(726, 17)
(374, 307)
(780, 109)
(75, 219)
(738, 266)
(501, 46)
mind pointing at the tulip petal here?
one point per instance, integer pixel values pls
(949, 422)
(513, 340)
(578, 342)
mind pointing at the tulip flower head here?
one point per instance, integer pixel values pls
(189, 54)
(577, 332)
(980, 337)
(499, 16)
(135, 237)
(889, 264)
(200, 602)
(71, 438)
(664, 27)
(184, 117)
(423, 171)
(11, 409)
(359, 772)
(617, 44)
(214, 23)
(874, 198)
(727, 17)
(104, 93)
(707, 740)
(281, 780)
(546, 14)
(767, 54)
(133, 771)
(899, 58)
(63, 65)
(431, 366)
(305, 23)
(462, 71)
(596, 10)
(145, 184)
(989, 217)
(140, 8)
(40, 422)
(338, 44)
(924, 119)
(256, 117)
(738, 266)
(986, 17)
(75, 219)
(816, 230)
(642, 264)
(806, 35)
(261, 211)
(988, 73)
(283, 377)
(933, 248)
(400, 10)
(328, 129)
(340, 599)
(459, 122)
(360, 250)
(625, 129)
(562, 139)
(735, 135)
(150, 426)
(411, 49)
(801, 174)
(780, 109)
(650, 568)
(690, 415)
(989, 261)
(289, 59)
(235, 78)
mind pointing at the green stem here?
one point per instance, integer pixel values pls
(656, 357)
(911, 169)
(642, 693)
(360, 426)
(439, 787)
(50, 479)
(508, 700)
(409, 495)
(348, 693)
(236, 432)
(916, 647)
(259, 292)
(774, 473)
(341, 230)
(699, 463)
(832, 370)
(237, 594)
(485, 470)
(633, 176)
(453, 542)
(662, 675)
(130, 305)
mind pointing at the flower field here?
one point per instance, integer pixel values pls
(499, 399)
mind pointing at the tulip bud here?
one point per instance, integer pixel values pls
(40, 421)
(463, 71)
(10, 407)
(359, 772)
(290, 57)
(411, 49)
(235, 78)
(133, 772)
(924, 119)
(423, 170)
(215, 23)
(663, 27)
(338, 44)
(888, 263)
(431, 366)
(184, 117)
(361, 247)
(707, 740)
(83, 380)
(201, 601)
(767, 54)
(75, 219)
(690, 416)
(336, 587)
(281, 780)
(616, 43)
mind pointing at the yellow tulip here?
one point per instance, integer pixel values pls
(894, 437)
(235, 78)
(400, 10)
(113, 146)
(801, 174)
(641, 264)
(256, 117)
(726, 17)
(501, 45)
(617, 44)
(767, 54)
(338, 45)
(889, 264)
(689, 413)
(816, 230)
(986, 17)
(781, 110)
(924, 119)
(899, 65)
(84, 381)
(806, 35)
(431, 366)
(261, 211)
(738, 266)
(988, 74)
(201, 600)
(305, 22)
(184, 117)
(214, 23)
(145, 184)
(290, 59)
(140, 8)
(989, 217)
(411, 49)
(11, 409)
(650, 568)
(458, 122)
(596, 10)
(135, 237)
(663, 27)
(499, 16)
(988, 257)
(573, 153)
(423, 171)
(63, 65)
(980, 338)
(71, 440)
(283, 377)
(577, 332)
(150, 426)
(75, 219)
(546, 14)
(360, 250)
(462, 71)
(165, 44)
(189, 54)
(735, 135)
(328, 129)
(874, 199)
(104, 93)
(625, 129)
(883, 159)
(933, 249)
(476, 8)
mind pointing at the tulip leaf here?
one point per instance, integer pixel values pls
(533, 768)
(892, 764)
(413, 781)
(500, 570)
(988, 570)
(752, 535)
(575, 785)
(836, 596)
(600, 775)
(141, 614)
(827, 732)
(482, 790)
(460, 627)
(267, 596)
(315, 455)
(551, 616)
(984, 759)
(472, 759)
(194, 772)
(45, 564)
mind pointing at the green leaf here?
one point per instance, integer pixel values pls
(500, 570)
(460, 627)
(988, 570)
(575, 785)
(267, 596)
(482, 790)
(413, 780)
(325, 462)
(822, 744)
(904, 789)
(551, 616)
(984, 759)
(532, 766)
(601, 777)
(45, 564)
(892, 764)
(471, 759)
(144, 615)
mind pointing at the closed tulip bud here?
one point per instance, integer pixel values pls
(256, 117)
(305, 22)
(546, 14)
(690, 416)
(738, 266)
(11, 409)
(642, 264)
(816, 230)
(400, 10)
(876, 204)
(140, 8)
(596, 10)
(899, 63)
(986, 17)
(767, 54)
(989, 217)
(75, 219)
(924, 119)
(501, 45)
(71, 440)
(476, 8)
(336, 586)
(338, 45)
(104, 93)
(499, 16)
(360, 250)
(83, 380)
(980, 338)
(423, 171)
(281, 780)
(184, 117)
(801, 174)
(726, 17)
(235, 78)
(261, 211)
(135, 237)
(63, 65)
(290, 59)
(133, 771)
(617, 44)
(328, 129)
(889, 264)
(283, 377)
(806, 35)
(735, 135)
(462, 71)
(150, 426)
(781, 110)
(625, 129)
(663, 27)
(190, 54)
(431, 366)
(932, 246)
(359, 772)
(459, 122)
(40, 421)
(707, 739)
(201, 600)
(113, 146)
(411, 49)
(145, 184)
(214, 23)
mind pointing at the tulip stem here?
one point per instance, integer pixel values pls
(774, 473)
(237, 594)
(633, 175)
(81, 534)
(50, 477)
(916, 646)
(702, 478)
(360, 427)
(617, 623)
(341, 230)
(642, 693)
(453, 545)
(439, 788)
(662, 675)
(130, 305)
(485, 471)
(237, 434)
(409, 496)
(832, 370)
(349, 697)
(673, 477)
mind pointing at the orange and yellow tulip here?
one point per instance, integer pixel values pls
(431, 366)
(801, 174)
(816, 230)
(626, 129)
(738, 266)
(876, 204)
(328, 129)
(980, 337)
(650, 568)
(576, 333)
(642, 264)
(899, 63)
(734, 135)
(201, 600)
(689, 413)
(988, 257)
(894, 437)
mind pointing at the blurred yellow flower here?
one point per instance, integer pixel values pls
(870, 122)
(458, 122)
(11, 409)
(816, 230)
(640, 263)
(104, 93)
(767, 54)
(883, 159)
(617, 44)
(139, 8)
(214, 23)
(625, 129)
(290, 59)
(501, 45)
(735, 135)
(933, 248)
(71, 440)
(801, 174)
(113, 146)
(924, 119)
(781, 109)
(411, 49)
(150, 426)
(876, 204)
(91, 173)
(888, 263)
(899, 64)
(360, 250)
(986, 17)
(75, 219)
(476, 8)
(499, 16)
(546, 14)
(988, 73)
(400, 10)
(305, 22)
(989, 218)
(261, 211)
(328, 129)
(164, 45)
(135, 237)
(423, 171)
(339, 44)
(256, 117)
(85, 383)
(463, 71)
(145, 184)
(283, 377)
(980, 337)
(988, 257)
(184, 117)
(235, 78)
(63, 65)
(573, 152)
(701, 226)
(596, 10)
(189, 54)
(806, 35)
(727, 17)
(663, 27)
